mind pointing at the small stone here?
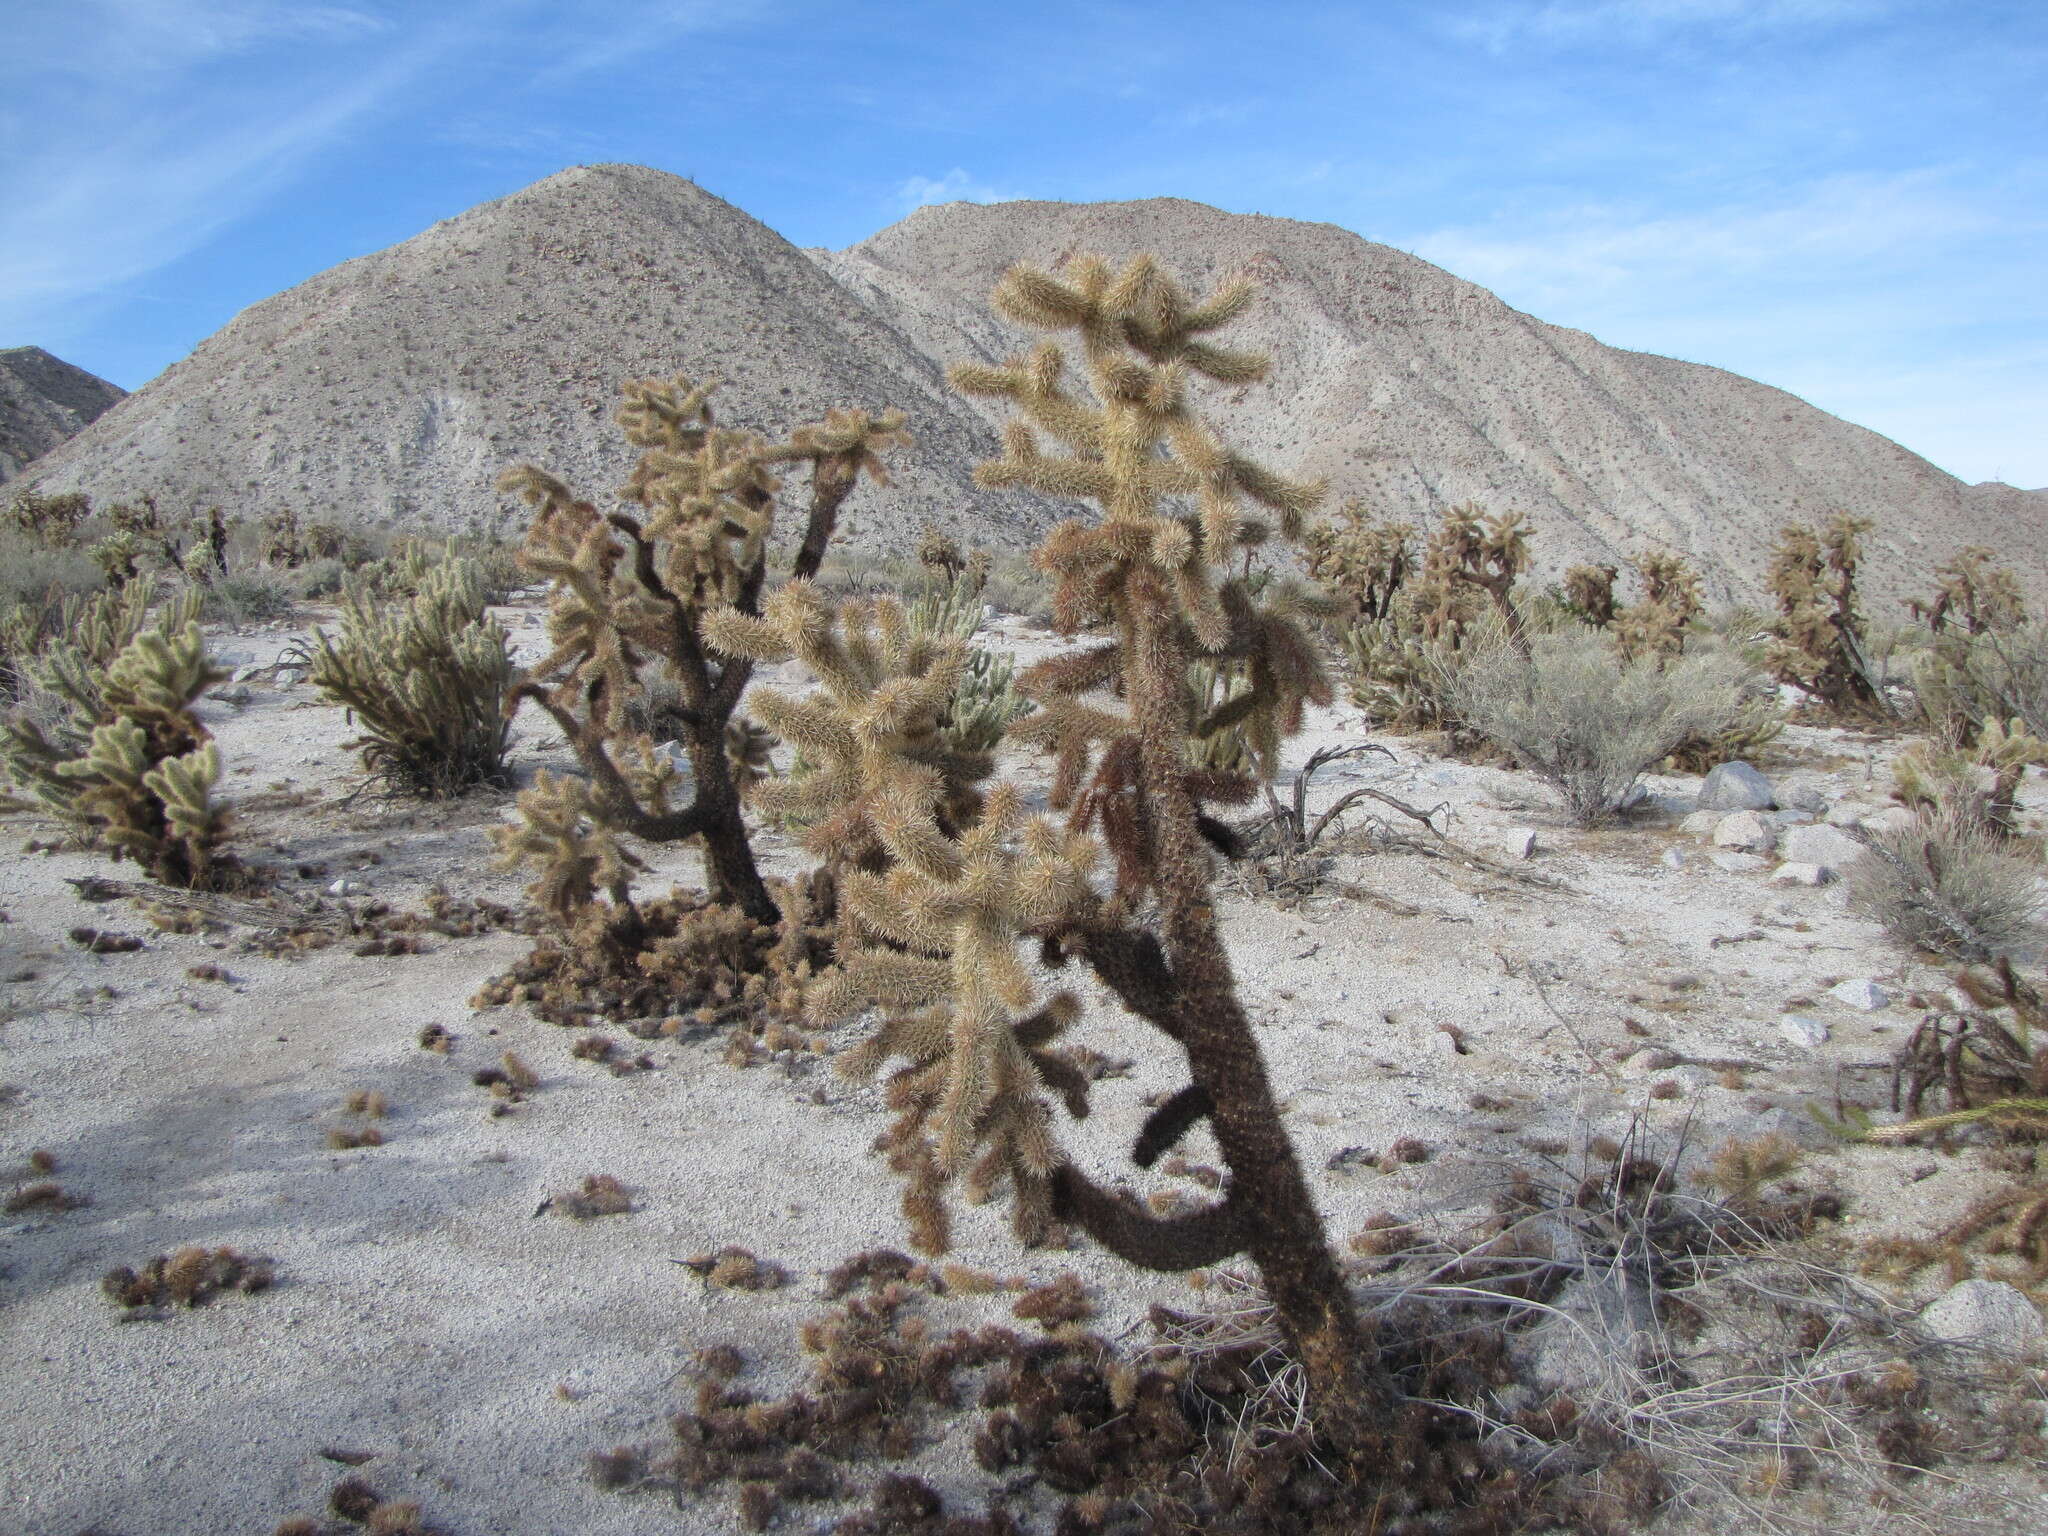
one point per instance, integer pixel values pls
(1893, 818)
(244, 674)
(1788, 818)
(1736, 863)
(290, 677)
(1794, 873)
(1861, 993)
(344, 888)
(1808, 1034)
(1746, 832)
(1845, 814)
(1736, 787)
(1701, 823)
(1521, 842)
(1649, 1059)
(1671, 858)
(1987, 1313)
(1831, 848)
(1802, 797)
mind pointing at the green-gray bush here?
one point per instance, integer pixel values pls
(1964, 681)
(1946, 884)
(427, 679)
(246, 597)
(1588, 724)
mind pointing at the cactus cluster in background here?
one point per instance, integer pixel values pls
(118, 754)
(427, 680)
(1818, 639)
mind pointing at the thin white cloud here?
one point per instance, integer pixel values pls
(1568, 23)
(956, 186)
(156, 149)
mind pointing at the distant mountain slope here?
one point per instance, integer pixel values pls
(43, 401)
(1416, 390)
(396, 386)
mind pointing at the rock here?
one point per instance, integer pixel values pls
(1987, 1313)
(1736, 787)
(345, 888)
(1649, 1059)
(1862, 993)
(1701, 823)
(1893, 818)
(238, 695)
(1831, 848)
(1736, 863)
(1745, 832)
(1808, 1034)
(1795, 873)
(1521, 842)
(1671, 858)
(1803, 797)
(1844, 814)
(1600, 1324)
(290, 677)
(1788, 818)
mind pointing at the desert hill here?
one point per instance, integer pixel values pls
(1417, 390)
(396, 386)
(43, 401)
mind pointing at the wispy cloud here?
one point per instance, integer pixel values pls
(161, 150)
(956, 186)
(1567, 23)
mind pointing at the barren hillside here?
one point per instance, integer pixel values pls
(1418, 390)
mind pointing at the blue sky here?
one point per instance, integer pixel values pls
(1844, 198)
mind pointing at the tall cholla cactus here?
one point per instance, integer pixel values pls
(631, 589)
(130, 765)
(941, 921)
(1818, 636)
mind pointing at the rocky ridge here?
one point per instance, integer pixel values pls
(43, 401)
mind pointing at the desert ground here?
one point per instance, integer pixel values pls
(436, 1325)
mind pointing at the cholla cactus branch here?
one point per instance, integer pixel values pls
(634, 592)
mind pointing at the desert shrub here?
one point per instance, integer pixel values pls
(246, 597)
(1587, 725)
(1015, 585)
(427, 678)
(1945, 883)
(1965, 679)
(117, 753)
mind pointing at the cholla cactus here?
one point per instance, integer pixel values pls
(1362, 561)
(633, 591)
(1819, 642)
(427, 678)
(129, 764)
(1974, 593)
(1159, 579)
(1589, 593)
(876, 730)
(1979, 783)
(1657, 625)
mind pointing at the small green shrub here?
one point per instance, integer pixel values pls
(1588, 724)
(1967, 679)
(427, 678)
(246, 597)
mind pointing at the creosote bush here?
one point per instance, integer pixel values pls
(1587, 725)
(427, 678)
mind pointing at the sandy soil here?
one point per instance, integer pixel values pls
(427, 1314)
